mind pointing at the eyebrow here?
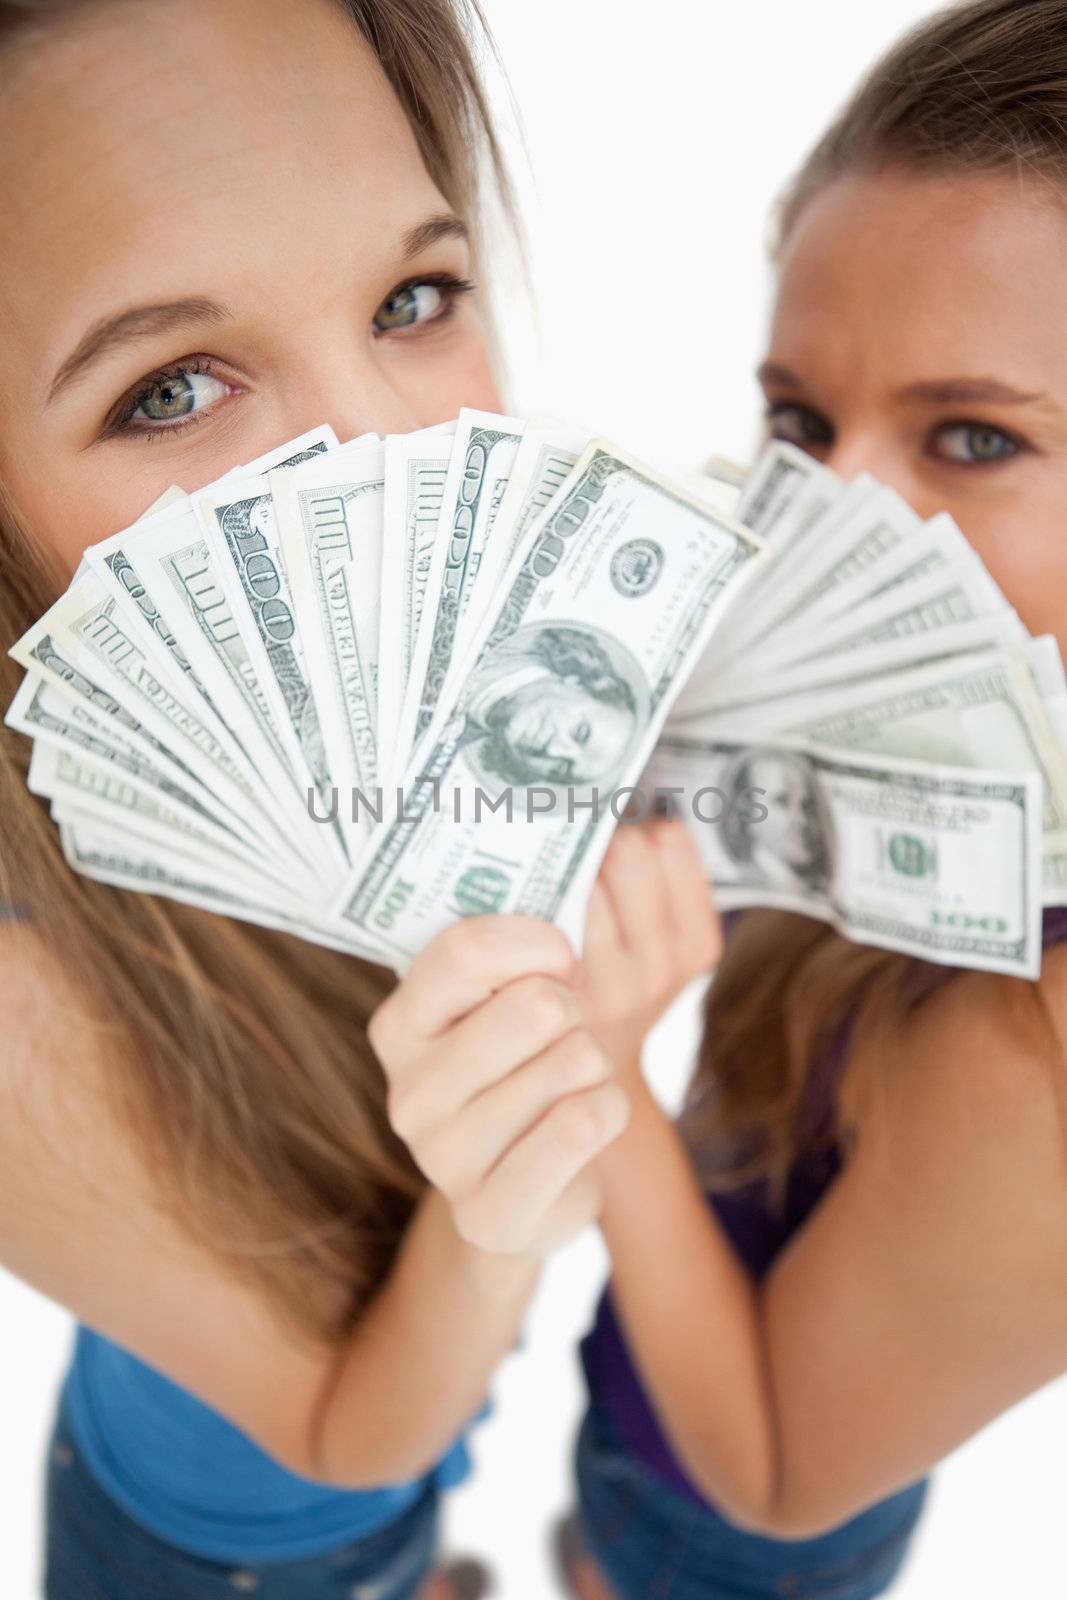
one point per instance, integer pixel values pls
(143, 322)
(953, 391)
(936, 391)
(774, 372)
(140, 322)
(442, 226)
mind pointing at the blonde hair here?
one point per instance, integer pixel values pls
(238, 1058)
(979, 87)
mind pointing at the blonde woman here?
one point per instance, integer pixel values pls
(222, 222)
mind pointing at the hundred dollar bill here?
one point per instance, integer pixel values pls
(132, 864)
(330, 515)
(878, 659)
(416, 471)
(563, 692)
(941, 862)
(164, 564)
(80, 786)
(786, 495)
(85, 643)
(776, 484)
(864, 522)
(958, 590)
(483, 453)
(46, 712)
(241, 516)
(977, 710)
(887, 577)
(112, 561)
(723, 493)
(226, 871)
(544, 460)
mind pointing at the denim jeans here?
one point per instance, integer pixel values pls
(653, 1543)
(94, 1551)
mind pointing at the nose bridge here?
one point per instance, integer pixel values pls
(343, 382)
(864, 444)
(855, 449)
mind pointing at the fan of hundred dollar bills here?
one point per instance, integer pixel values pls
(353, 691)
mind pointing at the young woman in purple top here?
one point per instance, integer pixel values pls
(883, 1266)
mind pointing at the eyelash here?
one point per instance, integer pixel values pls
(778, 408)
(1019, 445)
(119, 423)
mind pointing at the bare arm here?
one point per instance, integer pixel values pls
(925, 1295)
(79, 1219)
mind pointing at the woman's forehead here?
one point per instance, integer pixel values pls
(138, 159)
(920, 277)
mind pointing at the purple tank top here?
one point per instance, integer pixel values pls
(757, 1233)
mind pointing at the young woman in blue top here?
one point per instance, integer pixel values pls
(223, 222)
(775, 1375)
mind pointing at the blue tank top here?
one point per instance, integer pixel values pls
(192, 1478)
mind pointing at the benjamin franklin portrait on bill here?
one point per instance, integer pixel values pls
(555, 706)
(789, 848)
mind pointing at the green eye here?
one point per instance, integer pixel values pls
(168, 398)
(414, 302)
(973, 444)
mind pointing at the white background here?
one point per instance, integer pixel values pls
(658, 135)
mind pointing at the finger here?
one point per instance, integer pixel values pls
(472, 1143)
(633, 877)
(512, 1026)
(461, 968)
(506, 1210)
(602, 941)
(695, 918)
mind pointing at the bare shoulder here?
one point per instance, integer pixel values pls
(63, 1151)
(968, 1098)
(1052, 987)
(927, 1292)
(82, 1219)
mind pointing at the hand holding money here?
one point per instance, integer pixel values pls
(651, 928)
(496, 1085)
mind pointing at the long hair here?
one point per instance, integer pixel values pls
(978, 88)
(237, 1058)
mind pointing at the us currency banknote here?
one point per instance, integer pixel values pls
(483, 453)
(937, 861)
(482, 629)
(330, 521)
(416, 473)
(973, 711)
(567, 685)
(248, 548)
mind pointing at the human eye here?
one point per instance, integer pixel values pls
(973, 444)
(799, 425)
(169, 400)
(418, 301)
(581, 733)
